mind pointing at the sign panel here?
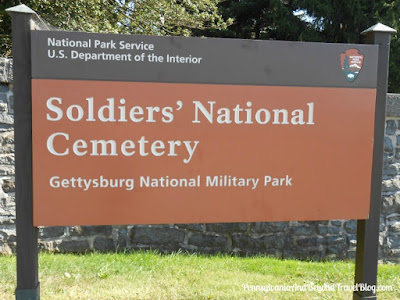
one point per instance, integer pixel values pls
(147, 130)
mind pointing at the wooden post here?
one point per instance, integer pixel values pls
(368, 230)
(27, 234)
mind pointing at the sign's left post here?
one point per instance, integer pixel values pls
(27, 234)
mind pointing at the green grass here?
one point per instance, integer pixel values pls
(149, 275)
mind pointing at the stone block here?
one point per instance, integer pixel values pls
(73, 246)
(156, 236)
(75, 231)
(302, 230)
(122, 238)
(393, 105)
(339, 250)
(258, 244)
(394, 241)
(45, 246)
(192, 227)
(3, 236)
(310, 241)
(7, 170)
(51, 232)
(382, 223)
(336, 239)
(391, 185)
(269, 227)
(391, 203)
(351, 254)
(7, 159)
(337, 223)
(103, 244)
(6, 70)
(8, 186)
(6, 149)
(3, 74)
(395, 253)
(382, 239)
(276, 241)
(95, 230)
(388, 145)
(352, 239)
(387, 159)
(208, 241)
(10, 103)
(4, 87)
(326, 229)
(12, 238)
(391, 126)
(393, 218)
(5, 249)
(8, 219)
(394, 227)
(395, 166)
(6, 119)
(3, 103)
(6, 128)
(226, 227)
(351, 226)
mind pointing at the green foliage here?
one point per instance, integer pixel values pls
(151, 275)
(332, 21)
(342, 21)
(260, 19)
(95, 15)
(388, 13)
(315, 20)
(156, 17)
(169, 17)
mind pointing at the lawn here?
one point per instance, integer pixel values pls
(150, 275)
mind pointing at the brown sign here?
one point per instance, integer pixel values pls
(172, 150)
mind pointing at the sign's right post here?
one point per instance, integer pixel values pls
(368, 230)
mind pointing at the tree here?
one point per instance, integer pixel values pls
(333, 21)
(342, 21)
(163, 17)
(297, 20)
(260, 19)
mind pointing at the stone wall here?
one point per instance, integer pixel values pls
(7, 191)
(335, 239)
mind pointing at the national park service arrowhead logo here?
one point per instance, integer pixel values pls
(352, 62)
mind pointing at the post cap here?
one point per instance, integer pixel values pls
(379, 27)
(22, 8)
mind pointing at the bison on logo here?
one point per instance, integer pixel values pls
(351, 62)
